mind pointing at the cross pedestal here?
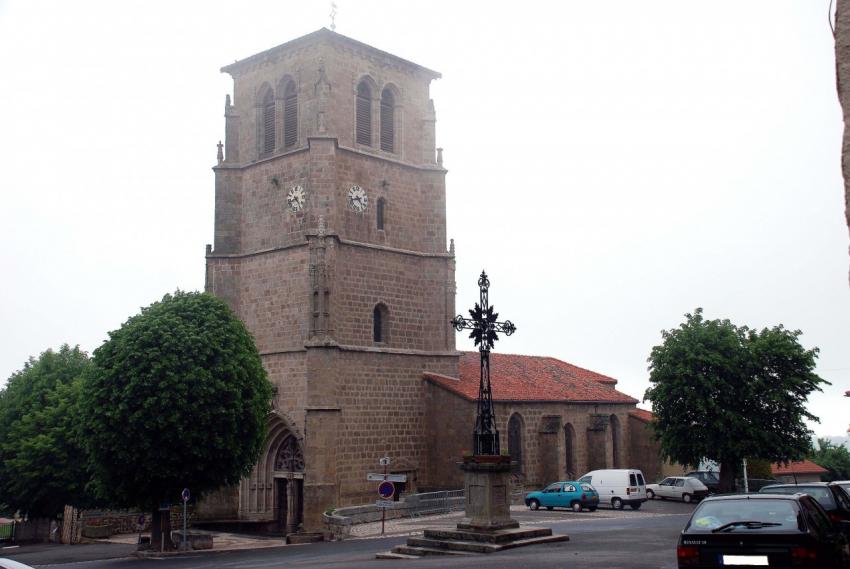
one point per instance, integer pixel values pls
(487, 482)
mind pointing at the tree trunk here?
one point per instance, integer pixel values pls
(161, 531)
(728, 469)
(842, 76)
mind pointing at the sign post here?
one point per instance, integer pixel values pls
(386, 488)
(185, 496)
(385, 462)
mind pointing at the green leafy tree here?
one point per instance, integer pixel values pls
(835, 458)
(723, 392)
(177, 397)
(42, 461)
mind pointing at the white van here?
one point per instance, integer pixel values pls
(618, 487)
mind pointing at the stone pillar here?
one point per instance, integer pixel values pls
(487, 482)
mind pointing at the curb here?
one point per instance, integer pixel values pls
(201, 552)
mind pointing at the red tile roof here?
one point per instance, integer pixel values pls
(798, 467)
(642, 415)
(531, 378)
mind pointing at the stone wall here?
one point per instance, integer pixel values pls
(544, 431)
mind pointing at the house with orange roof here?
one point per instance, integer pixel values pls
(798, 471)
(557, 420)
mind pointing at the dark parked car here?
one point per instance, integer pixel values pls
(710, 478)
(770, 530)
(831, 496)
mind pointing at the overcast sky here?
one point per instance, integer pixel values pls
(612, 165)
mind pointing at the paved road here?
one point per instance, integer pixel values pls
(643, 539)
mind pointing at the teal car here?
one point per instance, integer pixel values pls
(567, 494)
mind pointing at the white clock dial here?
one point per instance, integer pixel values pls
(296, 198)
(357, 199)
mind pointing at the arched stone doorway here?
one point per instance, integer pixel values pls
(570, 451)
(289, 485)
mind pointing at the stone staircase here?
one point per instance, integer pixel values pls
(470, 542)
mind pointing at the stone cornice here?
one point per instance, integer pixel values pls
(340, 240)
(380, 155)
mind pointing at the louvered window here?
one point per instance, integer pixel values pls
(268, 122)
(364, 114)
(387, 118)
(290, 115)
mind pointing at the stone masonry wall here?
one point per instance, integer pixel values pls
(543, 451)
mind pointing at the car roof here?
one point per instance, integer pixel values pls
(800, 485)
(724, 497)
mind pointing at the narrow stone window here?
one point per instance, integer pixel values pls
(387, 121)
(380, 322)
(515, 442)
(569, 451)
(380, 212)
(364, 114)
(290, 115)
(615, 442)
(268, 122)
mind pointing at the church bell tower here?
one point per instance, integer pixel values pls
(330, 244)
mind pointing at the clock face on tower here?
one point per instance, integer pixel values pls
(295, 198)
(357, 199)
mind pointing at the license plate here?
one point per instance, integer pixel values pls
(753, 560)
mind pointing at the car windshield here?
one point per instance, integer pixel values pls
(745, 515)
(819, 493)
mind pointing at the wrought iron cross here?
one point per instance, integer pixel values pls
(485, 331)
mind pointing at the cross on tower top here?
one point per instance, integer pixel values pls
(485, 331)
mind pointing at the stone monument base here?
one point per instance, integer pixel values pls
(487, 526)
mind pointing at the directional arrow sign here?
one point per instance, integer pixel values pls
(376, 477)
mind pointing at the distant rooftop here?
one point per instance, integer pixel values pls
(797, 467)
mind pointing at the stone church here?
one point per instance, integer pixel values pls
(330, 244)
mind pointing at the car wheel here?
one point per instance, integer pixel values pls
(533, 504)
(617, 504)
(593, 509)
(576, 506)
(686, 498)
(650, 494)
(549, 508)
(635, 506)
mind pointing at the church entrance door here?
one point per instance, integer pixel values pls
(289, 485)
(290, 500)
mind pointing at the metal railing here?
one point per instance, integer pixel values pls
(431, 503)
(7, 532)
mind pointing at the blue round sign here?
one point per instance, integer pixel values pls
(386, 489)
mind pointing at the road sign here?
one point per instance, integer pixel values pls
(386, 489)
(385, 461)
(384, 503)
(376, 477)
(185, 495)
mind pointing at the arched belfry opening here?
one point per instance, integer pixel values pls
(363, 114)
(266, 122)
